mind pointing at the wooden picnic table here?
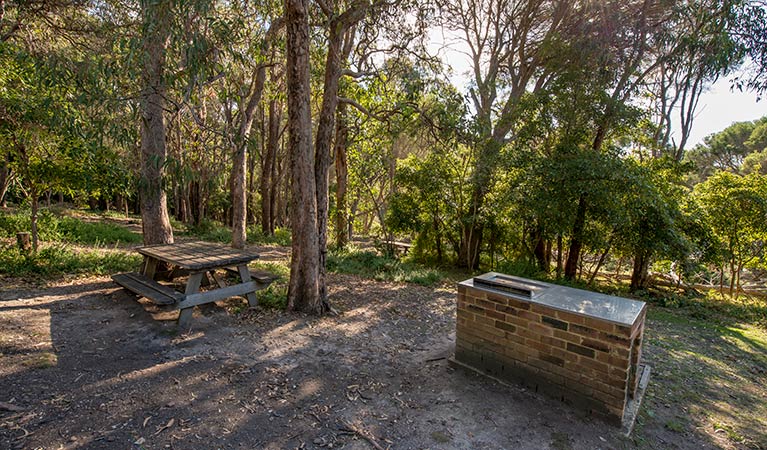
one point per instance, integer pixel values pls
(197, 259)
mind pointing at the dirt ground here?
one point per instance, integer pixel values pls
(85, 366)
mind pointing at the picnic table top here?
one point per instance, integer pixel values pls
(198, 255)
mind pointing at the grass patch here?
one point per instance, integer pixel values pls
(706, 376)
(281, 237)
(369, 264)
(59, 259)
(213, 231)
(42, 360)
(57, 228)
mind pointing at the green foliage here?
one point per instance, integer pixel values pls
(273, 297)
(371, 265)
(281, 236)
(210, 230)
(59, 259)
(54, 228)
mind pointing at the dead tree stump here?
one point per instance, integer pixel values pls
(23, 241)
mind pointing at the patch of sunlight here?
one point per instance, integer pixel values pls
(138, 374)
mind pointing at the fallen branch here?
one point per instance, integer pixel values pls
(11, 407)
(361, 433)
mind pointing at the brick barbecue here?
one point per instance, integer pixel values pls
(577, 346)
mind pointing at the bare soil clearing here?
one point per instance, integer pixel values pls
(84, 366)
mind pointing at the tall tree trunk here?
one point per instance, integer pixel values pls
(560, 249)
(240, 161)
(154, 208)
(576, 240)
(342, 176)
(326, 127)
(35, 208)
(639, 272)
(5, 180)
(267, 168)
(471, 237)
(539, 251)
(599, 264)
(303, 287)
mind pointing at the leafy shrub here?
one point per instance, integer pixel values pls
(282, 236)
(371, 265)
(54, 228)
(273, 297)
(210, 230)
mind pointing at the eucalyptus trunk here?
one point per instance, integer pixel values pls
(639, 276)
(267, 168)
(5, 180)
(576, 240)
(303, 288)
(240, 161)
(154, 209)
(342, 176)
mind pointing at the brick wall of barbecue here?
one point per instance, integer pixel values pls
(580, 354)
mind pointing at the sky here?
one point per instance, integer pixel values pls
(718, 108)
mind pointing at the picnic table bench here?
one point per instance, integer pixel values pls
(397, 248)
(197, 259)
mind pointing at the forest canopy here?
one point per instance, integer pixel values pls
(567, 153)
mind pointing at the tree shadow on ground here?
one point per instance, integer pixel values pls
(268, 379)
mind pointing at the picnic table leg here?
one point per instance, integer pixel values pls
(245, 277)
(150, 267)
(192, 287)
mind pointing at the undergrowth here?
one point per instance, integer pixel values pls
(369, 264)
(213, 231)
(56, 228)
(60, 259)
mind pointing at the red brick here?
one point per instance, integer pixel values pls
(529, 316)
(570, 317)
(540, 309)
(553, 360)
(475, 309)
(461, 289)
(505, 326)
(583, 330)
(486, 304)
(618, 373)
(525, 332)
(554, 323)
(476, 293)
(567, 356)
(506, 309)
(583, 351)
(553, 342)
(567, 336)
(598, 324)
(595, 365)
(518, 303)
(579, 387)
(620, 352)
(621, 330)
(517, 321)
(480, 319)
(495, 298)
(620, 384)
(541, 329)
(542, 348)
(515, 338)
(596, 345)
(496, 315)
(615, 339)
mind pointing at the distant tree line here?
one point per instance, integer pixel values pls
(568, 154)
